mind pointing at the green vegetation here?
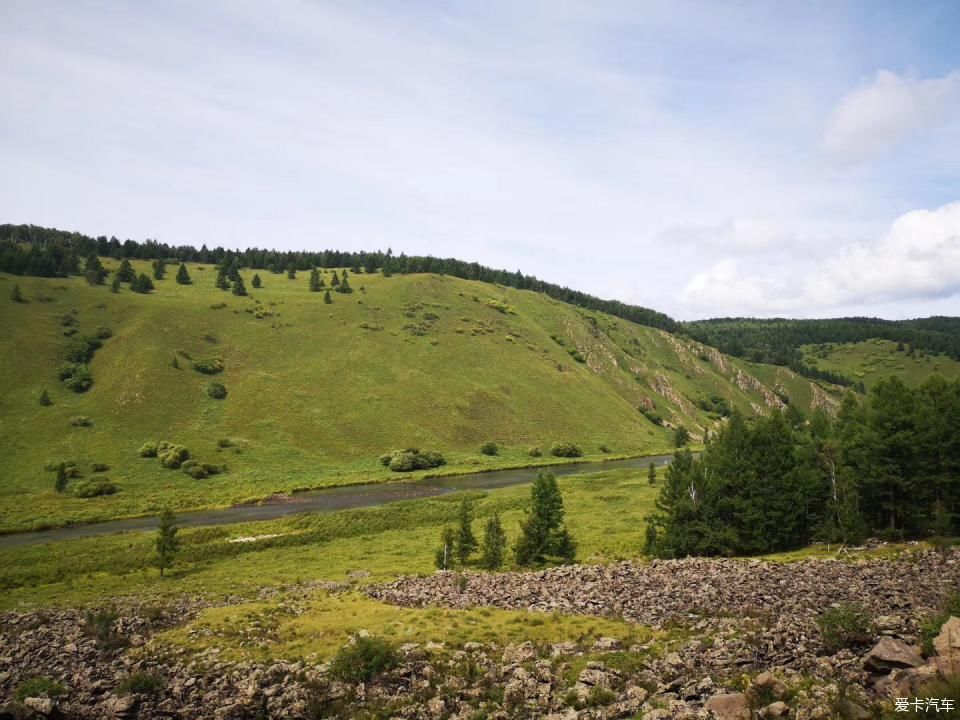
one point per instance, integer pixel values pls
(167, 542)
(412, 459)
(869, 361)
(39, 687)
(489, 448)
(141, 683)
(363, 659)
(844, 626)
(494, 544)
(565, 449)
(543, 534)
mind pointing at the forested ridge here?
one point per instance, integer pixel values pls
(52, 253)
(887, 464)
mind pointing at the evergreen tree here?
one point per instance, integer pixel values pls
(681, 436)
(93, 270)
(175, 364)
(159, 268)
(652, 474)
(142, 284)
(494, 544)
(344, 275)
(115, 283)
(326, 297)
(542, 533)
(291, 272)
(465, 543)
(238, 286)
(167, 543)
(314, 280)
(63, 477)
(16, 295)
(183, 275)
(222, 281)
(45, 399)
(125, 272)
(334, 280)
(257, 283)
(344, 286)
(444, 555)
(233, 270)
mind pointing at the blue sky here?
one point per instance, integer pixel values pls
(705, 159)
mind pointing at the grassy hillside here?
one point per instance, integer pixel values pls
(874, 359)
(316, 392)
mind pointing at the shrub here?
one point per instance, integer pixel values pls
(93, 488)
(103, 332)
(363, 659)
(412, 459)
(99, 467)
(75, 376)
(489, 448)
(39, 687)
(172, 456)
(81, 421)
(653, 416)
(845, 626)
(141, 683)
(81, 350)
(148, 449)
(534, 452)
(45, 399)
(199, 470)
(224, 442)
(216, 390)
(209, 366)
(99, 624)
(604, 449)
(16, 295)
(565, 449)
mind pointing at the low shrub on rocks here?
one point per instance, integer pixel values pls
(141, 683)
(363, 659)
(39, 687)
(847, 625)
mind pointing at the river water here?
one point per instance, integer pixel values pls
(334, 498)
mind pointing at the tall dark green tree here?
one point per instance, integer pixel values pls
(167, 542)
(543, 536)
(334, 280)
(494, 544)
(16, 295)
(183, 275)
(466, 543)
(125, 271)
(256, 282)
(142, 284)
(159, 269)
(291, 272)
(94, 270)
(652, 474)
(314, 280)
(326, 297)
(238, 287)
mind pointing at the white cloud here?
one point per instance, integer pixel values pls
(916, 260)
(736, 234)
(877, 115)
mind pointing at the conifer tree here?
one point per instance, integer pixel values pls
(652, 474)
(167, 543)
(257, 283)
(314, 280)
(465, 543)
(183, 275)
(222, 281)
(115, 283)
(125, 271)
(16, 295)
(238, 287)
(326, 298)
(142, 284)
(45, 399)
(291, 272)
(159, 268)
(444, 555)
(344, 286)
(542, 533)
(494, 543)
(93, 270)
(334, 280)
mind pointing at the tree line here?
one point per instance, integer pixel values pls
(47, 252)
(887, 465)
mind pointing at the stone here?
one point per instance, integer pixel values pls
(889, 654)
(767, 682)
(524, 652)
(947, 647)
(778, 709)
(41, 705)
(888, 624)
(436, 706)
(729, 706)
(607, 644)
(562, 649)
(121, 705)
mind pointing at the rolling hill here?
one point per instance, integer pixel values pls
(316, 392)
(870, 360)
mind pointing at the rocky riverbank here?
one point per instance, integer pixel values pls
(738, 641)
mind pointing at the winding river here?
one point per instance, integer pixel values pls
(334, 498)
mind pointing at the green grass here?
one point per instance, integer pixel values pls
(605, 513)
(316, 393)
(873, 360)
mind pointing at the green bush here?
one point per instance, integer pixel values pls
(141, 683)
(80, 350)
(208, 366)
(93, 488)
(216, 390)
(172, 456)
(362, 660)
(39, 687)
(534, 452)
(99, 467)
(199, 470)
(489, 448)
(224, 442)
(653, 416)
(845, 626)
(565, 449)
(75, 376)
(103, 332)
(148, 449)
(604, 449)
(81, 421)
(412, 459)
(930, 625)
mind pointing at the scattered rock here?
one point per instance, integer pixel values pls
(890, 654)
(729, 706)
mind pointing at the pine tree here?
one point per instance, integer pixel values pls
(175, 364)
(222, 281)
(326, 298)
(238, 286)
(681, 436)
(159, 268)
(45, 399)
(542, 533)
(183, 275)
(291, 272)
(115, 283)
(125, 272)
(314, 280)
(344, 286)
(63, 477)
(465, 543)
(256, 281)
(142, 284)
(652, 474)
(494, 543)
(334, 281)
(16, 295)
(167, 543)
(93, 270)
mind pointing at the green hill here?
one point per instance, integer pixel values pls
(871, 360)
(317, 392)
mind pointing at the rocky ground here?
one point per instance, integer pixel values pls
(742, 643)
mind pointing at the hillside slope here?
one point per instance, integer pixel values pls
(872, 360)
(316, 392)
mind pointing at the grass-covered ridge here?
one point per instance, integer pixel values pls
(317, 392)
(873, 360)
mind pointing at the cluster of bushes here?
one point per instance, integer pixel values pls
(363, 659)
(565, 449)
(652, 415)
(177, 457)
(209, 366)
(412, 459)
(716, 405)
(75, 372)
(199, 470)
(489, 448)
(68, 470)
(94, 487)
